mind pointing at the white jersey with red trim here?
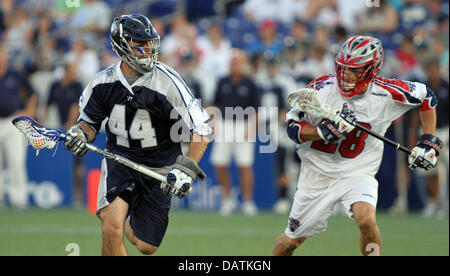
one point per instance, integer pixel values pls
(360, 154)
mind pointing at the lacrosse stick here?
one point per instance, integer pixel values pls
(40, 137)
(306, 100)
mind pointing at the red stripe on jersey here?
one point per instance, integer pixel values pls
(425, 106)
(323, 78)
(402, 84)
(396, 95)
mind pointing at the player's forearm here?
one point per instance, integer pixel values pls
(88, 131)
(73, 115)
(197, 147)
(428, 121)
(309, 133)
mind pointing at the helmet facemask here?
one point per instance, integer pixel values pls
(350, 87)
(363, 56)
(141, 55)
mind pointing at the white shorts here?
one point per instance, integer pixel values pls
(230, 142)
(312, 207)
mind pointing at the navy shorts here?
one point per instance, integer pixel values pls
(148, 205)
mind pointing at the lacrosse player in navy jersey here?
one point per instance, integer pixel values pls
(149, 109)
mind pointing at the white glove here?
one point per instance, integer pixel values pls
(180, 178)
(178, 184)
(424, 154)
(76, 141)
(334, 130)
(345, 119)
(422, 158)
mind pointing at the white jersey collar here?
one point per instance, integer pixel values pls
(124, 81)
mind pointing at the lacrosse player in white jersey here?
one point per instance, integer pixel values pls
(339, 161)
(147, 105)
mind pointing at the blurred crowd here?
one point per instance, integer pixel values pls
(56, 44)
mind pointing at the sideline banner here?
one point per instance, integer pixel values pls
(50, 179)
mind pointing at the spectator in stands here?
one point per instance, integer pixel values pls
(18, 39)
(331, 13)
(406, 55)
(173, 40)
(275, 86)
(17, 99)
(2, 22)
(436, 17)
(437, 178)
(64, 93)
(339, 36)
(233, 134)
(284, 11)
(382, 19)
(6, 11)
(188, 71)
(268, 41)
(439, 49)
(381, 22)
(87, 59)
(189, 43)
(300, 35)
(412, 16)
(323, 12)
(319, 62)
(293, 64)
(322, 36)
(92, 18)
(215, 61)
(44, 44)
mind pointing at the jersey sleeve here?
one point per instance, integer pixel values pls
(91, 106)
(407, 95)
(182, 99)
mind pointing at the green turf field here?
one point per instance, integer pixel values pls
(48, 232)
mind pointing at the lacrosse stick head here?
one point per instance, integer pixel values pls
(307, 100)
(37, 135)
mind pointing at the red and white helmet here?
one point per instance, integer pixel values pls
(363, 52)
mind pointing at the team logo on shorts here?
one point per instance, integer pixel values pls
(293, 224)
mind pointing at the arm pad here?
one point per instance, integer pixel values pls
(429, 141)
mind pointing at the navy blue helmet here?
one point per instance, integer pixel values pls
(135, 32)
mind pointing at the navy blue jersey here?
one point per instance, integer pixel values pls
(14, 93)
(64, 97)
(145, 119)
(243, 93)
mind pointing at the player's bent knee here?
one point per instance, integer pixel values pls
(290, 243)
(146, 248)
(112, 228)
(366, 225)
